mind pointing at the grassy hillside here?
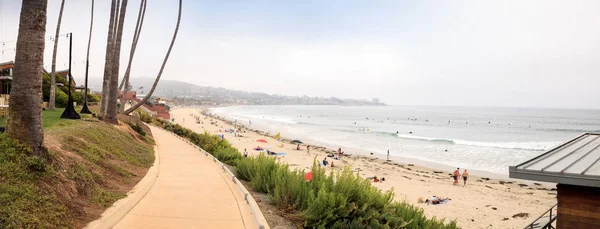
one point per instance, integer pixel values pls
(90, 165)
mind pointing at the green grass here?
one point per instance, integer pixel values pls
(52, 118)
(105, 198)
(22, 200)
(87, 161)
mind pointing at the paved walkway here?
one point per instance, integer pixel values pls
(191, 191)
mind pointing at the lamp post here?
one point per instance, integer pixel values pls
(70, 112)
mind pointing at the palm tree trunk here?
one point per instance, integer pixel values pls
(136, 36)
(137, 105)
(108, 59)
(52, 101)
(111, 110)
(25, 112)
(85, 108)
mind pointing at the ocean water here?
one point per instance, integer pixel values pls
(484, 139)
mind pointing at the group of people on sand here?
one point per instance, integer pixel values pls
(456, 175)
(325, 162)
(377, 180)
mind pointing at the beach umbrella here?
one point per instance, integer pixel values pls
(261, 141)
(297, 141)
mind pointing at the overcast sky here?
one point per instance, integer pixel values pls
(468, 53)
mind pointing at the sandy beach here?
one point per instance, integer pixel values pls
(482, 203)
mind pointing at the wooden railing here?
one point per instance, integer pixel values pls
(4, 99)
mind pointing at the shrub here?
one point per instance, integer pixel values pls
(137, 128)
(93, 98)
(145, 117)
(340, 200)
(61, 98)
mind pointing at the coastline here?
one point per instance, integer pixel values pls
(488, 201)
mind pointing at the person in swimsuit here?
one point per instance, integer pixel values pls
(465, 176)
(455, 175)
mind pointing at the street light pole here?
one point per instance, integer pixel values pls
(70, 112)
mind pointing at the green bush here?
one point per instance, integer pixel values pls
(61, 99)
(340, 200)
(137, 128)
(145, 117)
(62, 92)
(93, 98)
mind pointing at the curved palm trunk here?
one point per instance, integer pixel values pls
(111, 110)
(85, 109)
(25, 112)
(136, 36)
(52, 101)
(108, 59)
(137, 105)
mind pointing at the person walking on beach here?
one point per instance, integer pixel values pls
(455, 175)
(465, 176)
(308, 150)
(339, 152)
(245, 153)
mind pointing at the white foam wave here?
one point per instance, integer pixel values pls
(504, 145)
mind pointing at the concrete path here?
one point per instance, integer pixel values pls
(191, 191)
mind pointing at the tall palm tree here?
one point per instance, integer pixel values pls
(85, 108)
(25, 112)
(108, 59)
(111, 109)
(137, 105)
(136, 36)
(52, 101)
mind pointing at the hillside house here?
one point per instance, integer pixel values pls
(6, 76)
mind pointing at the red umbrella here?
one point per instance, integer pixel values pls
(261, 140)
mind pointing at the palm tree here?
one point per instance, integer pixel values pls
(25, 112)
(137, 105)
(85, 108)
(136, 36)
(108, 58)
(52, 102)
(111, 109)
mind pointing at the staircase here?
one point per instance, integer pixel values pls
(545, 221)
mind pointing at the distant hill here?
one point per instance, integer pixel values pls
(186, 91)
